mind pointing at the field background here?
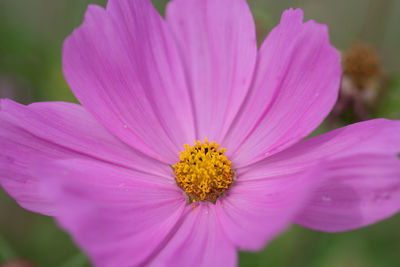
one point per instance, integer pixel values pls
(31, 36)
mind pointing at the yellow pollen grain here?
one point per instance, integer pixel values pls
(203, 172)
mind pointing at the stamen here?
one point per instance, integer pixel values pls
(203, 172)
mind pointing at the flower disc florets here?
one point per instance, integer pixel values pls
(203, 172)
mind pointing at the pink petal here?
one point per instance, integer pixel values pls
(357, 191)
(362, 182)
(57, 130)
(199, 241)
(295, 86)
(218, 44)
(255, 211)
(116, 216)
(123, 66)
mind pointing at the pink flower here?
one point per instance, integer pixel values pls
(147, 87)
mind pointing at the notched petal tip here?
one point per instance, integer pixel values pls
(296, 16)
(292, 15)
(93, 15)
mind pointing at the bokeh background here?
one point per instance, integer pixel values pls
(31, 36)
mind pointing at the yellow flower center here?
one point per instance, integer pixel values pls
(203, 172)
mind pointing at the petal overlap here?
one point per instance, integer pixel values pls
(118, 217)
(361, 182)
(254, 211)
(217, 42)
(200, 241)
(57, 130)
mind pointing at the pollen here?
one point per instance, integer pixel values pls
(204, 173)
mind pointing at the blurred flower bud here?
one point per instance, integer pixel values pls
(362, 84)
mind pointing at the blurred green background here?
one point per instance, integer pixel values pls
(31, 36)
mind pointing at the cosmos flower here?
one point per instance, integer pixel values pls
(187, 144)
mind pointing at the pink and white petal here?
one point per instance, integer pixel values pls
(199, 241)
(116, 216)
(255, 211)
(57, 130)
(295, 86)
(218, 44)
(123, 66)
(361, 184)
